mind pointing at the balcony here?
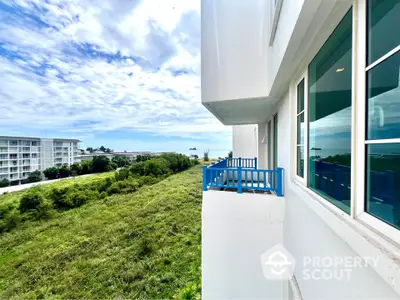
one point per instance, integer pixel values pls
(243, 213)
(241, 174)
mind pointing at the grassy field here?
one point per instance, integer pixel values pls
(13, 197)
(140, 245)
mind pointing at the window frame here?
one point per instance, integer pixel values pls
(361, 140)
(304, 76)
(358, 132)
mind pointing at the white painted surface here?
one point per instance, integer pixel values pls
(307, 233)
(242, 77)
(236, 230)
(244, 141)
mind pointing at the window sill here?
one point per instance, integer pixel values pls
(362, 239)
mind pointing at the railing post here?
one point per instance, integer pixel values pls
(240, 162)
(279, 184)
(204, 178)
(239, 184)
(255, 163)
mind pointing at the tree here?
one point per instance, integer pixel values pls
(51, 173)
(121, 161)
(90, 149)
(102, 148)
(143, 157)
(35, 176)
(101, 164)
(76, 169)
(230, 154)
(87, 167)
(206, 155)
(64, 171)
(5, 182)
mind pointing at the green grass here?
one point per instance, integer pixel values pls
(141, 245)
(15, 196)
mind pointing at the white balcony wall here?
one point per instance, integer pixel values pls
(244, 139)
(234, 44)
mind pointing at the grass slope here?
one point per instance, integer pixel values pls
(15, 196)
(141, 245)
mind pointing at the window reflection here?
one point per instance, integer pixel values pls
(383, 182)
(383, 29)
(384, 99)
(330, 117)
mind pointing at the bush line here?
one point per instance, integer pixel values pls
(38, 203)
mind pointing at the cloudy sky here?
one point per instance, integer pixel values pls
(119, 73)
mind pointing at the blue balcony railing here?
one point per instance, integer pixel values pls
(242, 174)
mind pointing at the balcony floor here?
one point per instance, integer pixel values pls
(236, 230)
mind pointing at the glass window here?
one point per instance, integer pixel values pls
(330, 117)
(300, 129)
(383, 182)
(383, 28)
(384, 99)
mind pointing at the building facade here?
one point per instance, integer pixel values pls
(312, 87)
(21, 155)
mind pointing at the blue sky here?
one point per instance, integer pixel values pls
(120, 73)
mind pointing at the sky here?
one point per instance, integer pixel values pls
(120, 73)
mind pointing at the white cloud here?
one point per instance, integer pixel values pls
(94, 66)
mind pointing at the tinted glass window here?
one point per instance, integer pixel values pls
(383, 182)
(300, 96)
(330, 117)
(383, 27)
(384, 99)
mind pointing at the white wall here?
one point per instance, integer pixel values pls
(234, 49)
(307, 234)
(244, 141)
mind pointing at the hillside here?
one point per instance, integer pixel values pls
(144, 244)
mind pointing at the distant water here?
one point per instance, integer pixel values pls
(212, 153)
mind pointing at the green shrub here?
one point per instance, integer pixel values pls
(121, 161)
(156, 166)
(112, 166)
(101, 164)
(86, 167)
(122, 174)
(64, 172)
(31, 200)
(137, 168)
(5, 182)
(143, 158)
(149, 180)
(35, 176)
(58, 197)
(123, 187)
(9, 218)
(176, 162)
(76, 169)
(195, 162)
(76, 198)
(51, 173)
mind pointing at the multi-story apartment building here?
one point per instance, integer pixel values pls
(312, 89)
(21, 155)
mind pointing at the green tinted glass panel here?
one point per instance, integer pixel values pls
(330, 117)
(383, 90)
(300, 161)
(383, 27)
(300, 96)
(300, 129)
(383, 182)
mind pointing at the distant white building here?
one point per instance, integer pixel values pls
(21, 155)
